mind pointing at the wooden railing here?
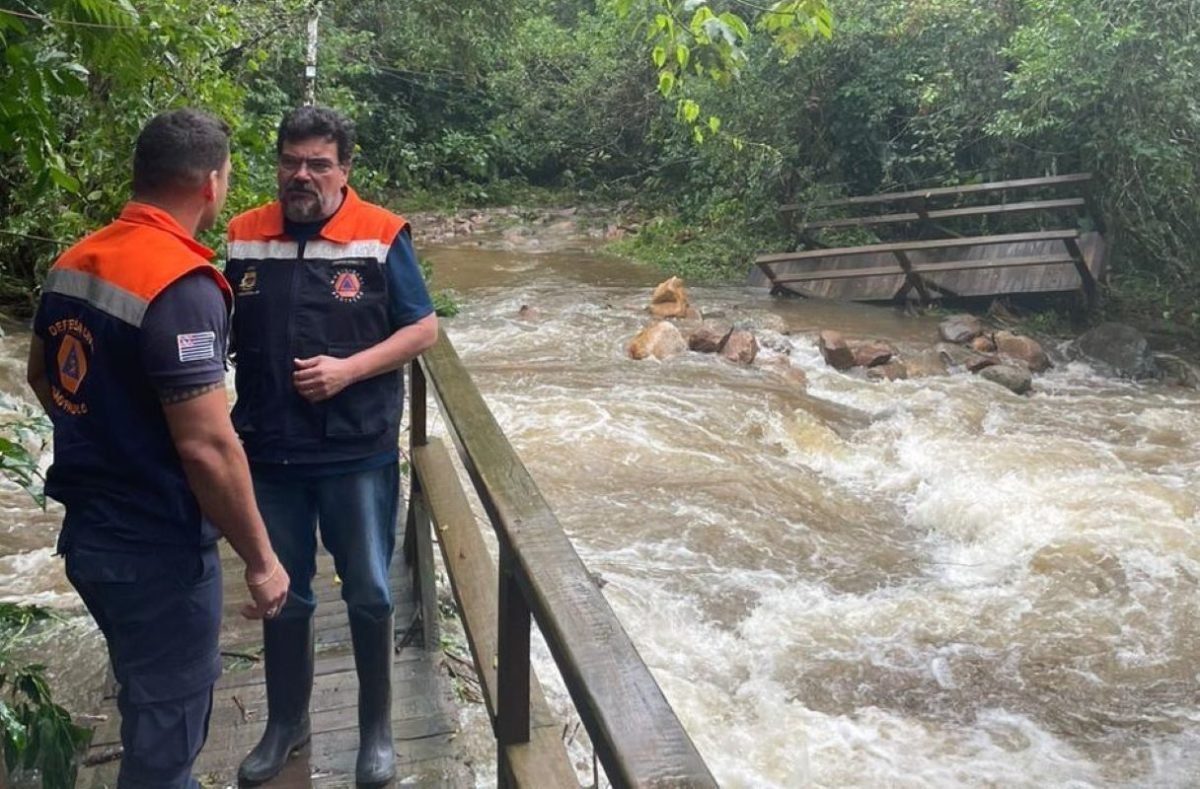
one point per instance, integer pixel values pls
(637, 736)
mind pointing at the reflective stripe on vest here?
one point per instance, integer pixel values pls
(328, 296)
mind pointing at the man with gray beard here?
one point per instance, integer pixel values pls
(329, 306)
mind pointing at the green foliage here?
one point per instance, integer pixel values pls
(17, 463)
(37, 734)
(476, 102)
(445, 302)
(710, 254)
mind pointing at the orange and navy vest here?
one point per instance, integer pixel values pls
(292, 300)
(115, 466)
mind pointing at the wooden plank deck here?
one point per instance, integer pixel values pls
(424, 715)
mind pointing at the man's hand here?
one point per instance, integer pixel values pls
(269, 592)
(321, 377)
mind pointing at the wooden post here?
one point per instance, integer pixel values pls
(1086, 279)
(911, 277)
(512, 670)
(418, 532)
(418, 435)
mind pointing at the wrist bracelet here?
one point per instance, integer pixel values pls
(275, 569)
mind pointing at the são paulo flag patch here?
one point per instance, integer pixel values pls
(196, 346)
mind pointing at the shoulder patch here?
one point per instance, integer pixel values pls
(196, 346)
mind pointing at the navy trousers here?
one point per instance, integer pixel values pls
(160, 614)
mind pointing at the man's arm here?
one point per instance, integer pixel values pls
(183, 345)
(321, 377)
(219, 476)
(410, 308)
(35, 373)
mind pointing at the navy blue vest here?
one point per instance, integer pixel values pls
(293, 301)
(115, 466)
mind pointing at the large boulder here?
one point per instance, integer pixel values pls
(1119, 349)
(661, 340)
(669, 299)
(1013, 377)
(1022, 349)
(960, 328)
(835, 350)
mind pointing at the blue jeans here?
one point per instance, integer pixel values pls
(356, 514)
(160, 614)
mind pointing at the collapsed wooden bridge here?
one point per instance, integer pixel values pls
(929, 259)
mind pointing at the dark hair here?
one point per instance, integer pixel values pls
(177, 150)
(305, 123)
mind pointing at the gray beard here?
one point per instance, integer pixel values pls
(302, 210)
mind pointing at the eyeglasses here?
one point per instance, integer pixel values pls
(292, 164)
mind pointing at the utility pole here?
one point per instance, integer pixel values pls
(310, 67)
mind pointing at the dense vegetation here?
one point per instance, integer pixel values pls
(710, 112)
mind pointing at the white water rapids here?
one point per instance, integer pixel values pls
(925, 583)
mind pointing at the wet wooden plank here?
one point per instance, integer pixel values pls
(424, 715)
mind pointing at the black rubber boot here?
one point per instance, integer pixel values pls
(288, 651)
(373, 655)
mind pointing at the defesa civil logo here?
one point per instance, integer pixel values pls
(347, 286)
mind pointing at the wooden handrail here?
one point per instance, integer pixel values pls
(912, 246)
(929, 268)
(636, 733)
(946, 191)
(1028, 206)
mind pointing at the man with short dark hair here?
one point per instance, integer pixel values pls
(127, 358)
(330, 305)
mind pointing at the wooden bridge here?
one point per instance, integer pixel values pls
(539, 578)
(929, 260)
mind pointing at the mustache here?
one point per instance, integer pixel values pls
(301, 190)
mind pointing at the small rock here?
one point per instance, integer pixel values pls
(873, 354)
(924, 364)
(836, 352)
(661, 340)
(1176, 371)
(669, 299)
(958, 356)
(527, 313)
(983, 344)
(1016, 379)
(892, 371)
(706, 338)
(960, 328)
(740, 347)
(774, 341)
(1022, 349)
